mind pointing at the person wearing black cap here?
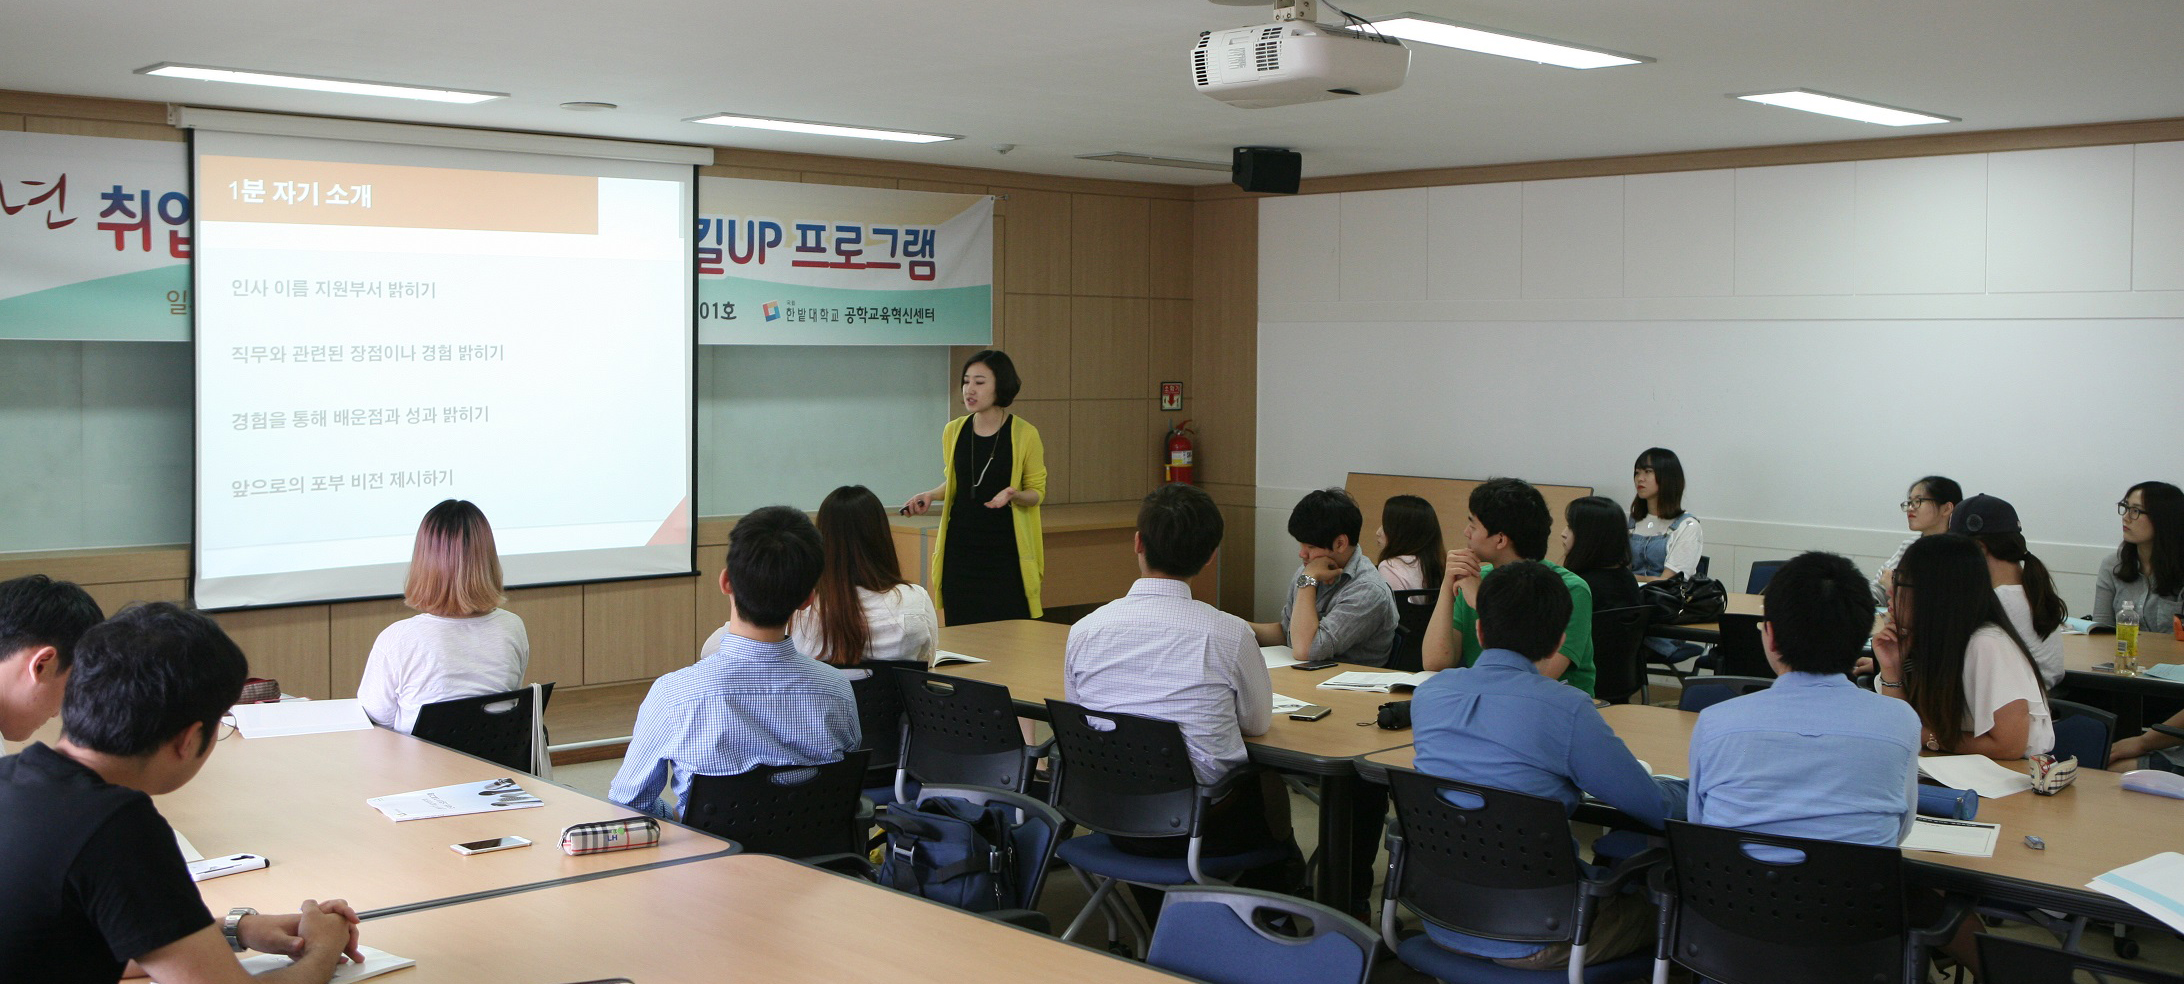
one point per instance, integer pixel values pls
(2021, 581)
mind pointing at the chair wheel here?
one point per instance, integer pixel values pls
(2127, 948)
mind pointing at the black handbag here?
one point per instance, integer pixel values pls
(1394, 716)
(1680, 600)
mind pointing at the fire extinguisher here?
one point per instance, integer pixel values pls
(1179, 454)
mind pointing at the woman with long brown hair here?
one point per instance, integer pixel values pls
(1949, 650)
(1411, 553)
(461, 643)
(865, 611)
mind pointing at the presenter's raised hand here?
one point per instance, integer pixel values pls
(1007, 496)
(918, 504)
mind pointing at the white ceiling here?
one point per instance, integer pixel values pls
(1060, 79)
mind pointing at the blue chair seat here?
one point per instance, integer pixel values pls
(1098, 853)
(1420, 953)
(885, 795)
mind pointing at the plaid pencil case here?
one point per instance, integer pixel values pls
(601, 836)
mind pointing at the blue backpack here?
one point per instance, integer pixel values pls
(951, 851)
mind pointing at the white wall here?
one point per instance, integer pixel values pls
(1809, 339)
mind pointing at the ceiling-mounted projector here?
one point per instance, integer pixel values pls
(1294, 61)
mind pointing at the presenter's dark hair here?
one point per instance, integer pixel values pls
(774, 559)
(1598, 538)
(1413, 529)
(1006, 383)
(1513, 508)
(860, 553)
(147, 674)
(1524, 606)
(1944, 491)
(1180, 526)
(2164, 505)
(1324, 514)
(1668, 482)
(1951, 597)
(36, 611)
(1821, 608)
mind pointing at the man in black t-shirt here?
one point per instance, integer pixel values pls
(91, 880)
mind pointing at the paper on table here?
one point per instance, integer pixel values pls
(1285, 705)
(483, 796)
(189, 850)
(1376, 683)
(1975, 772)
(1967, 837)
(300, 717)
(2166, 671)
(942, 657)
(1278, 657)
(2154, 886)
(376, 962)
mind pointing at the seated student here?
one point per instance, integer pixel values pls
(1508, 522)
(40, 620)
(1814, 755)
(1159, 653)
(1347, 611)
(1595, 548)
(2149, 749)
(2020, 580)
(1410, 544)
(1948, 648)
(95, 885)
(754, 700)
(1927, 509)
(1664, 539)
(2147, 570)
(1504, 723)
(461, 643)
(865, 611)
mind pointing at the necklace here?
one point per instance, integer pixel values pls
(990, 455)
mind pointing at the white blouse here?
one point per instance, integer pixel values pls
(427, 658)
(904, 626)
(1403, 574)
(2047, 652)
(1995, 674)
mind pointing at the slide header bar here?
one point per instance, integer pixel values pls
(275, 124)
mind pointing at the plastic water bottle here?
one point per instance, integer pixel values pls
(2127, 633)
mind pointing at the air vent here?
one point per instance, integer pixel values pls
(1198, 67)
(1271, 33)
(1268, 55)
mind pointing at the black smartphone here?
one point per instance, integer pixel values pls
(1310, 712)
(1314, 665)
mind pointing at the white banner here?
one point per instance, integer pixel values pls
(94, 238)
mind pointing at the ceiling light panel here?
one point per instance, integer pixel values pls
(1448, 34)
(822, 129)
(1125, 157)
(314, 83)
(1849, 109)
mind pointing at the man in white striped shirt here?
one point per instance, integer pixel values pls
(1159, 653)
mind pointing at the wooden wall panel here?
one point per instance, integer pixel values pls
(1224, 342)
(944, 187)
(1039, 340)
(103, 128)
(1107, 450)
(753, 173)
(1109, 344)
(101, 565)
(1109, 246)
(1055, 433)
(10, 121)
(553, 618)
(1168, 353)
(1239, 551)
(116, 596)
(82, 107)
(1169, 249)
(353, 628)
(638, 629)
(851, 180)
(1037, 255)
(709, 608)
(286, 644)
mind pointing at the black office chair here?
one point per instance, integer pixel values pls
(1704, 563)
(2083, 731)
(1618, 636)
(810, 813)
(879, 719)
(1123, 775)
(961, 733)
(1740, 651)
(2008, 961)
(1505, 868)
(1763, 572)
(1702, 692)
(1813, 912)
(494, 727)
(1413, 613)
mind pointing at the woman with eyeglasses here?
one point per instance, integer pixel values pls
(2148, 568)
(1926, 510)
(989, 558)
(1948, 648)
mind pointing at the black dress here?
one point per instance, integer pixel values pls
(980, 579)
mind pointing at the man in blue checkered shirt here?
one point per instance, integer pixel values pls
(754, 700)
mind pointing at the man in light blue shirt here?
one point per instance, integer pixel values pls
(1814, 755)
(1501, 722)
(755, 700)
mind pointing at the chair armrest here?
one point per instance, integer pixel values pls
(1044, 749)
(1638, 865)
(2164, 729)
(1953, 914)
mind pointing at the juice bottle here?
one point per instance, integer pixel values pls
(2127, 633)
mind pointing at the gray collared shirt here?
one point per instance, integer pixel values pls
(1356, 612)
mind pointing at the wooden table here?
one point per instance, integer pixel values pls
(742, 918)
(2092, 827)
(2087, 662)
(1027, 658)
(300, 803)
(1708, 632)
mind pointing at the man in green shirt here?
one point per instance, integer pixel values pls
(1508, 522)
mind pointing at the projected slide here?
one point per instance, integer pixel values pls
(382, 327)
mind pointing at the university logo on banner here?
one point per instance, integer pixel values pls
(781, 263)
(94, 238)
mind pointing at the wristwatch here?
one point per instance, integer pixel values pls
(232, 925)
(1306, 580)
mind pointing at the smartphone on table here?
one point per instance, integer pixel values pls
(490, 845)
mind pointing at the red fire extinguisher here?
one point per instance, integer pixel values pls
(1179, 454)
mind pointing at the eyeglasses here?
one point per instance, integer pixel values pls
(1913, 503)
(227, 728)
(2129, 511)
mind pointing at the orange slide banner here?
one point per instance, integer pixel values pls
(261, 189)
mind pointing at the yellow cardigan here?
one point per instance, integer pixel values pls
(1027, 472)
